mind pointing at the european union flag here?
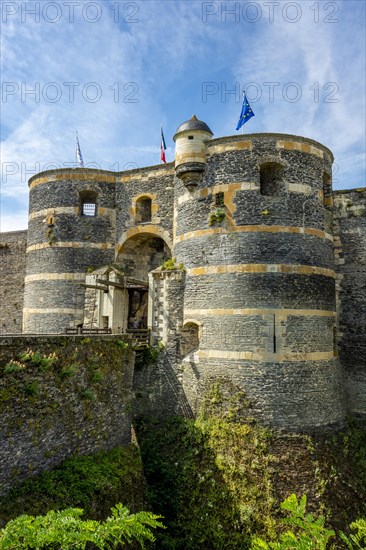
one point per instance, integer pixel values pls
(246, 113)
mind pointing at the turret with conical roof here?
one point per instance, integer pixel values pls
(190, 153)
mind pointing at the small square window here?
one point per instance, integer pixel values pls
(190, 137)
(89, 209)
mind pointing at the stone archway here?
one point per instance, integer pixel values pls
(140, 254)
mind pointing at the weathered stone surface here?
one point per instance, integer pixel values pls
(12, 271)
(49, 415)
(260, 276)
(350, 252)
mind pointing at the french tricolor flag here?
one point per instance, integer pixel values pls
(162, 146)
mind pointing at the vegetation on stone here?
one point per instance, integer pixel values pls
(217, 216)
(171, 265)
(94, 483)
(218, 482)
(59, 397)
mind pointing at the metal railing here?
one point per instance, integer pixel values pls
(85, 330)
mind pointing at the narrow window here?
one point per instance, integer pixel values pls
(88, 203)
(271, 175)
(143, 210)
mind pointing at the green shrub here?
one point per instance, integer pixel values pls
(93, 482)
(68, 371)
(122, 344)
(13, 367)
(31, 389)
(65, 530)
(171, 265)
(88, 394)
(97, 377)
(217, 216)
(357, 540)
(36, 359)
(307, 533)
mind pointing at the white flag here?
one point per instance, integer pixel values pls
(78, 155)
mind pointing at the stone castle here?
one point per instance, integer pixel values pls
(238, 257)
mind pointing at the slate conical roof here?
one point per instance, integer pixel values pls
(192, 124)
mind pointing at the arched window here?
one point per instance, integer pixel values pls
(189, 338)
(143, 210)
(271, 176)
(88, 203)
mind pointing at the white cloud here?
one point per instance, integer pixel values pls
(164, 58)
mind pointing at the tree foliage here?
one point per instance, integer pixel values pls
(309, 533)
(65, 530)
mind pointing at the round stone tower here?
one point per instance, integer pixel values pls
(190, 151)
(254, 237)
(71, 231)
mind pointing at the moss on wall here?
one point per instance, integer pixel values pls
(218, 481)
(92, 482)
(58, 397)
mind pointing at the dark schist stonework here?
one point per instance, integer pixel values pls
(12, 271)
(49, 415)
(265, 289)
(350, 249)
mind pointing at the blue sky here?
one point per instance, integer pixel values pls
(115, 70)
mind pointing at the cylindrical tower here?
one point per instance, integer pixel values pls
(190, 151)
(254, 237)
(71, 231)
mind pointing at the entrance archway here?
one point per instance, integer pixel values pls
(140, 254)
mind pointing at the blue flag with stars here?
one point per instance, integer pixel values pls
(246, 113)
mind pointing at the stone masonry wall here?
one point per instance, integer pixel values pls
(64, 244)
(260, 280)
(12, 271)
(350, 257)
(156, 183)
(78, 405)
(158, 385)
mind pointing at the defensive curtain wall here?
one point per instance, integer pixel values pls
(61, 396)
(256, 304)
(12, 272)
(350, 259)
